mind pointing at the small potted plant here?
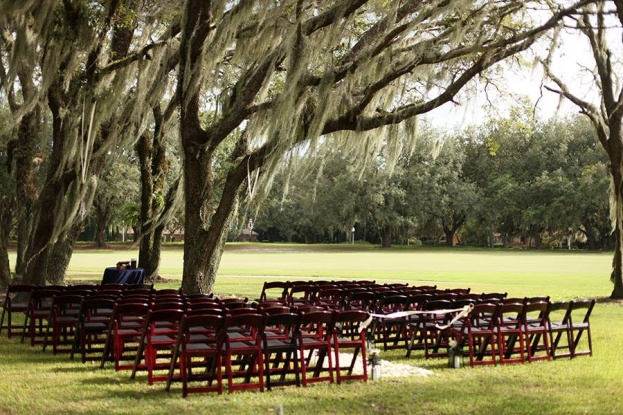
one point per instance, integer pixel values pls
(455, 354)
(374, 361)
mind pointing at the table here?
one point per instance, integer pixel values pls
(112, 275)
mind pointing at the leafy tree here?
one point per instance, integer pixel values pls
(594, 22)
(288, 72)
(85, 64)
(117, 187)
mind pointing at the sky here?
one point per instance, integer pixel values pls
(570, 63)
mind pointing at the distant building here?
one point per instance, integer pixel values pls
(248, 235)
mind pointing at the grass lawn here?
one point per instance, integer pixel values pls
(34, 382)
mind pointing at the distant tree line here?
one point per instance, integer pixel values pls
(510, 181)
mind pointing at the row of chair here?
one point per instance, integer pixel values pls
(421, 331)
(200, 338)
(508, 332)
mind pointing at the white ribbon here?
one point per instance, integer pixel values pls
(461, 313)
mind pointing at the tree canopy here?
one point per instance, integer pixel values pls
(252, 83)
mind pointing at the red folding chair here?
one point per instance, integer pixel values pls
(198, 354)
(243, 352)
(15, 302)
(314, 339)
(62, 321)
(158, 336)
(347, 335)
(510, 333)
(280, 348)
(126, 323)
(37, 314)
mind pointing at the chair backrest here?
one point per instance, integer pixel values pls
(528, 300)
(96, 308)
(167, 304)
(275, 309)
(510, 315)
(431, 306)
(416, 301)
(276, 290)
(483, 315)
(307, 308)
(426, 287)
(97, 303)
(242, 310)
(459, 291)
(536, 313)
(512, 300)
(347, 323)
(392, 304)
(302, 293)
(125, 311)
(199, 297)
(494, 296)
(362, 300)
(170, 315)
(41, 298)
(581, 305)
(316, 324)
(212, 323)
(18, 293)
(252, 323)
(138, 291)
(331, 297)
(450, 296)
(282, 324)
(63, 304)
(471, 297)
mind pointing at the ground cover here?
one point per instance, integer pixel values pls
(37, 382)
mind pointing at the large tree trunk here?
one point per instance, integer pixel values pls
(154, 166)
(61, 253)
(616, 166)
(5, 269)
(386, 237)
(449, 233)
(27, 187)
(205, 230)
(589, 232)
(101, 218)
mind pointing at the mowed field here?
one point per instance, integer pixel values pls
(36, 382)
(560, 274)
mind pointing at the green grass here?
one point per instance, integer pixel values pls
(36, 382)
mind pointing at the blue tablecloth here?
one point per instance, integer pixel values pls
(113, 275)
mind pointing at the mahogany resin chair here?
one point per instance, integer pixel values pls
(243, 357)
(15, 302)
(536, 330)
(157, 338)
(347, 335)
(126, 323)
(92, 327)
(62, 321)
(425, 329)
(280, 348)
(479, 334)
(314, 339)
(510, 333)
(37, 314)
(274, 291)
(575, 322)
(198, 354)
